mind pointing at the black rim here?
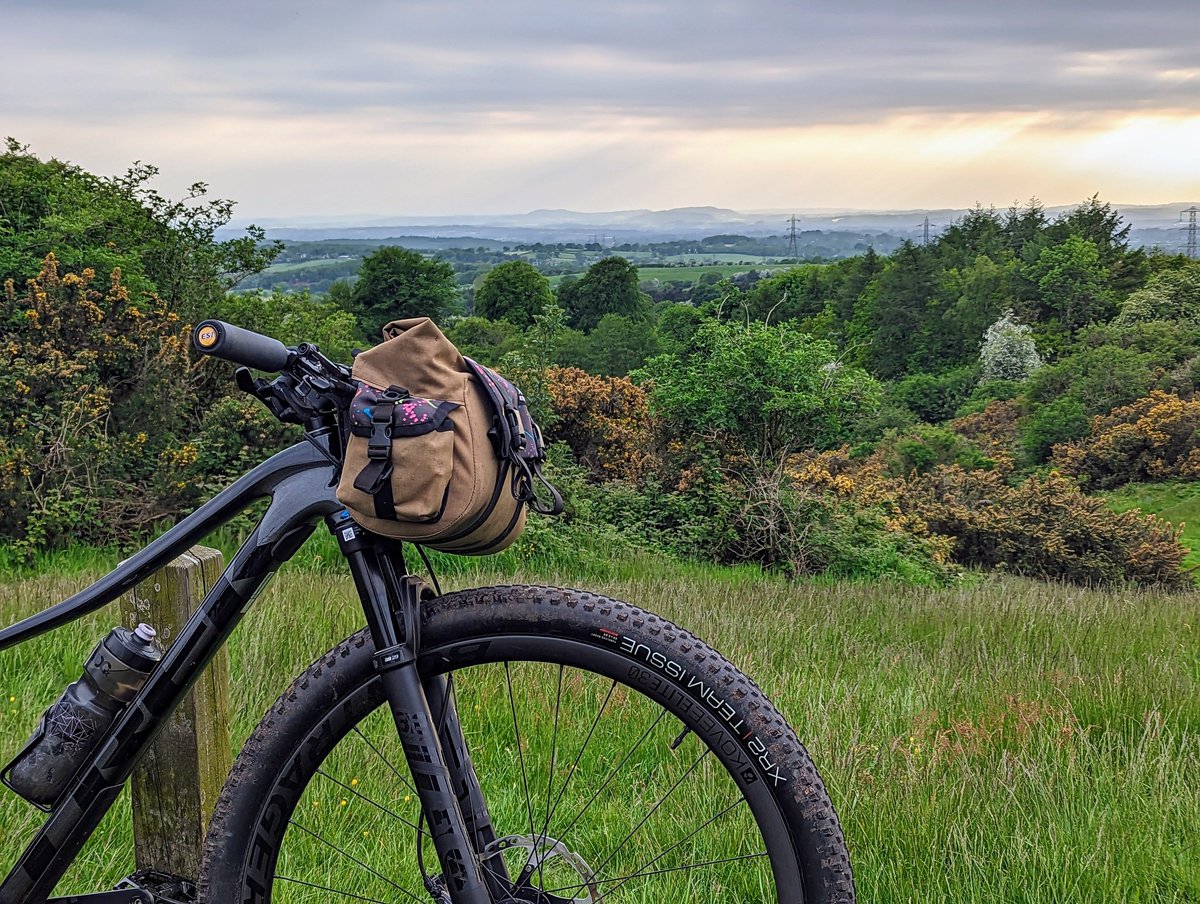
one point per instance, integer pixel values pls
(654, 801)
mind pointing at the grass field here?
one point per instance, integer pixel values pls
(1006, 741)
(687, 274)
(1176, 501)
(691, 274)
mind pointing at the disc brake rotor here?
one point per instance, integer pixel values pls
(541, 850)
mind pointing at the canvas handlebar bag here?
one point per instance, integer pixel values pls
(440, 450)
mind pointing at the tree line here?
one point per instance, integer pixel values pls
(905, 414)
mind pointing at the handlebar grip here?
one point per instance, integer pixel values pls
(224, 340)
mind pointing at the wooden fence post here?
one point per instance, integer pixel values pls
(176, 785)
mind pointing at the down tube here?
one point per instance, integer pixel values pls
(99, 783)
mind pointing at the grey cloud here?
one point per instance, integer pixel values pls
(686, 62)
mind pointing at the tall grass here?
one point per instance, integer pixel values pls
(1009, 741)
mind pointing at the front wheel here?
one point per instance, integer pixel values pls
(622, 759)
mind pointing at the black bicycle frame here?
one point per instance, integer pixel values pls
(300, 482)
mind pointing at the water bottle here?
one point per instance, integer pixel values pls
(71, 728)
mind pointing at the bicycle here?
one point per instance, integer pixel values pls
(549, 745)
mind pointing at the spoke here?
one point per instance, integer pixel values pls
(579, 756)
(569, 889)
(616, 769)
(662, 800)
(336, 891)
(512, 705)
(550, 778)
(649, 863)
(553, 748)
(400, 775)
(353, 859)
(372, 802)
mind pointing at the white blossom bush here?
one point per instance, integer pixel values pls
(1008, 352)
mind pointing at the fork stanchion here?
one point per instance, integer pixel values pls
(176, 785)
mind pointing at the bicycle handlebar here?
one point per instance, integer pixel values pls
(241, 346)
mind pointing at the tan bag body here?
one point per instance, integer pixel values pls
(442, 486)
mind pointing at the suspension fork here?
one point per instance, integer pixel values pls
(426, 719)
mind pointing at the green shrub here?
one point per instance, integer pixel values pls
(934, 397)
(292, 318)
(1044, 527)
(1060, 421)
(1100, 378)
(986, 392)
(763, 390)
(1155, 438)
(487, 341)
(926, 447)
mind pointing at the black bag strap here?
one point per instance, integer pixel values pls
(518, 440)
(375, 479)
(378, 471)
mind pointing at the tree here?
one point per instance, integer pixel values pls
(515, 291)
(163, 248)
(1008, 352)
(979, 233)
(854, 276)
(1023, 227)
(770, 390)
(792, 295)
(1072, 283)
(676, 326)
(292, 318)
(1168, 295)
(487, 341)
(888, 325)
(610, 286)
(395, 283)
(977, 294)
(618, 345)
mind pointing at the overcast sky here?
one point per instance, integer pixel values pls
(463, 106)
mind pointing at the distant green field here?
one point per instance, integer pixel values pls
(316, 264)
(719, 257)
(688, 274)
(1177, 501)
(691, 274)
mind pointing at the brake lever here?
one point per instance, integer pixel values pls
(248, 383)
(265, 393)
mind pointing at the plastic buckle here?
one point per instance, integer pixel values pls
(379, 446)
(513, 417)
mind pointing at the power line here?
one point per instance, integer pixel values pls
(1191, 228)
(793, 245)
(925, 231)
